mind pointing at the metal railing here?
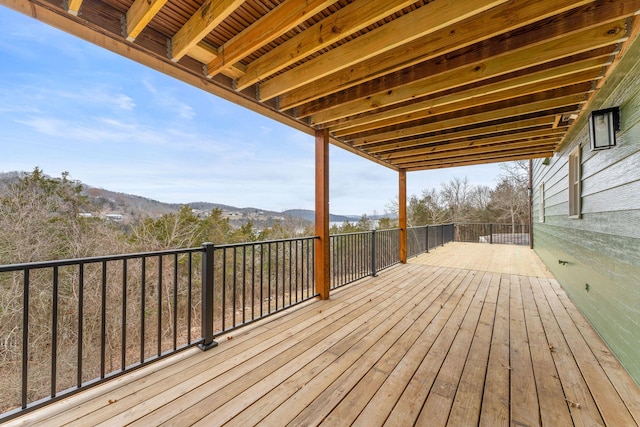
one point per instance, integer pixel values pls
(361, 254)
(109, 315)
(424, 238)
(112, 314)
(357, 255)
(510, 234)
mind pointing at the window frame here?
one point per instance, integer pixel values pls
(575, 183)
(541, 202)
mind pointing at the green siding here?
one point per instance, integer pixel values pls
(603, 246)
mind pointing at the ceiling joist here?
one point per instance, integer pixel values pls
(140, 14)
(211, 14)
(428, 19)
(495, 22)
(283, 18)
(346, 21)
(73, 6)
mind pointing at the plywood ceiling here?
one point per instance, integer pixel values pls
(411, 85)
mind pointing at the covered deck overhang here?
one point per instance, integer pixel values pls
(411, 85)
(468, 334)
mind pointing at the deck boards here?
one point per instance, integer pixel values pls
(427, 343)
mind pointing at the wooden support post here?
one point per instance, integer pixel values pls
(402, 214)
(322, 267)
(531, 203)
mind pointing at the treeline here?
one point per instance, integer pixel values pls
(40, 218)
(463, 202)
(40, 221)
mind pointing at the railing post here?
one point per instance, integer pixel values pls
(442, 234)
(373, 253)
(427, 233)
(491, 234)
(207, 297)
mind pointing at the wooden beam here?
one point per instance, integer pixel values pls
(483, 27)
(497, 88)
(140, 14)
(509, 146)
(531, 89)
(322, 259)
(201, 23)
(205, 53)
(448, 74)
(507, 158)
(348, 20)
(486, 116)
(73, 6)
(476, 132)
(469, 144)
(402, 213)
(283, 18)
(421, 22)
(497, 156)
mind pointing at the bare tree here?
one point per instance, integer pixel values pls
(509, 199)
(457, 197)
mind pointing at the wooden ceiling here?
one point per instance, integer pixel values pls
(411, 85)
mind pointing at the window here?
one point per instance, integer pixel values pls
(574, 183)
(541, 203)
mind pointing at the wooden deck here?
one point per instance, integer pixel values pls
(496, 342)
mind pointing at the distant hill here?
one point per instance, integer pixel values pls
(311, 215)
(131, 206)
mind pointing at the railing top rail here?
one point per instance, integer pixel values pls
(353, 233)
(264, 242)
(435, 225)
(490, 223)
(90, 260)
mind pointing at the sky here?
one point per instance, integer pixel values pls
(69, 106)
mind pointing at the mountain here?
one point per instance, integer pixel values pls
(104, 202)
(311, 215)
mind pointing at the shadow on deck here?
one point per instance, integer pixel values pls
(468, 334)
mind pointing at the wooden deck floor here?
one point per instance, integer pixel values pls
(427, 343)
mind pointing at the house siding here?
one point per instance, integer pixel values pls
(602, 248)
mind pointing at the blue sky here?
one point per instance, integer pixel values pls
(66, 105)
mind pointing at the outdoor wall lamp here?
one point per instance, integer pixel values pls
(603, 125)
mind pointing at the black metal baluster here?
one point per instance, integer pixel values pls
(235, 280)
(244, 283)
(80, 323)
(303, 276)
(253, 281)
(224, 287)
(54, 332)
(25, 337)
(143, 290)
(123, 361)
(277, 255)
(189, 295)
(103, 316)
(373, 253)
(159, 304)
(261, 277)
(269, 277)
(175, 301)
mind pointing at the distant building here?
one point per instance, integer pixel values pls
(114, 217)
